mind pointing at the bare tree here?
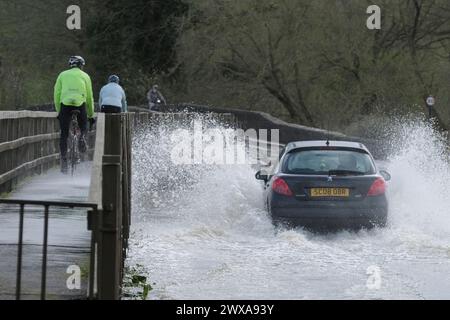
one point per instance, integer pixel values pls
(269, 56)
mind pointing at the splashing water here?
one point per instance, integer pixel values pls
(201, 231)
(420, 195)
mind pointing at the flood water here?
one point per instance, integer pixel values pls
(201, 232)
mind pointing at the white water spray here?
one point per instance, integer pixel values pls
(202, 231)
(420, 190)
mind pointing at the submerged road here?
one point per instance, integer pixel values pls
(69, 239)
(201, 232)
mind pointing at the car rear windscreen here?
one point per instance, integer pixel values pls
(328, 161)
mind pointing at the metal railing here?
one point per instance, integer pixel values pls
(109, 205)
(47, 205)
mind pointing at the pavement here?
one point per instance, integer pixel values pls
(69, 239)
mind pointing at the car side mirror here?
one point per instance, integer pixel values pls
(386, 175)
(260, 176)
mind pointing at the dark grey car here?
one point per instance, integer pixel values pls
(326, 184)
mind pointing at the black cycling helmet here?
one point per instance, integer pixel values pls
(76, 61)
(114, 78)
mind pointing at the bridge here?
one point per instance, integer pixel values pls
(54, 227)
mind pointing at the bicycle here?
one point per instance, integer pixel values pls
(73, 152)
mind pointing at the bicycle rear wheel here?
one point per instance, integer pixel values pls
(73, 139)
(73, 153)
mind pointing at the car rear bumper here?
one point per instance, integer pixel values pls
(339, 214)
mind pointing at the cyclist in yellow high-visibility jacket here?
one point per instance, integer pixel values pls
(73, 91)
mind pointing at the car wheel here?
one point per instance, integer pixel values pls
(382, 223)
(379, 223)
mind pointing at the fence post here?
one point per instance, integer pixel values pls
(126, 183)
(110, 240)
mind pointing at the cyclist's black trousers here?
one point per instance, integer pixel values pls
(65, 116)
(111, 109)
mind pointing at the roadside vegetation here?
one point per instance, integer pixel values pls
(135, 284)
(309, 62)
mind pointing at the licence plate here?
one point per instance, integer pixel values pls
(330, 192)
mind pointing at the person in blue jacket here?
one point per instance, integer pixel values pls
(112, 97)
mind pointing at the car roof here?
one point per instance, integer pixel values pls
(323, 143)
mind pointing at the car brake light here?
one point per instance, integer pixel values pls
(281, 187)
(378, 187)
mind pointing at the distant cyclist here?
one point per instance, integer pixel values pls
(112, 97)
(73, 92)
(155, 98)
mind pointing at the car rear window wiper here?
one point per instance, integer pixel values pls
(345, 173)
(302, 171)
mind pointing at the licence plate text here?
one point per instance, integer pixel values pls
(330, 192)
